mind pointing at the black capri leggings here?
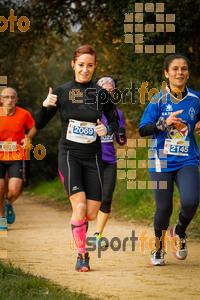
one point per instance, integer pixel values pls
(81, 175)
(187, 181)
(109, 180)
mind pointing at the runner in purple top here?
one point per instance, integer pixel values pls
(109, 165)
(107, 142)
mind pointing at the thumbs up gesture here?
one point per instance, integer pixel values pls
(101, 130)
(50, 100)
(99, 122)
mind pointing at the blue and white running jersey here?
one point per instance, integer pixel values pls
(176, 147)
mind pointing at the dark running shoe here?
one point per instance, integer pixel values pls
(157, 258)
(82, 264)
(10, 215)
(181, 244)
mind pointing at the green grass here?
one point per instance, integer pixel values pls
(15, 284)
(53, 190)
(135, 204)
(139, 204)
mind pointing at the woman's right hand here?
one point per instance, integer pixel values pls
(101, 129)
(50, 100)
(172, 118)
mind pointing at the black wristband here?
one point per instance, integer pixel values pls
(109, 130)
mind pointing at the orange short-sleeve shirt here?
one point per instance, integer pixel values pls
(12, 129)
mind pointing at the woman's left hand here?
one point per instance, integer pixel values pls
(25, 142)
(101, 130)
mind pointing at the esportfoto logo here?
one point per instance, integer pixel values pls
(117, 244)
(23, 22)
(163, 23)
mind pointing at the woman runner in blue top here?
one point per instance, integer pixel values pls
(170, 118)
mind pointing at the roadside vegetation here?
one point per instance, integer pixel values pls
(131, 203)
(18, 285)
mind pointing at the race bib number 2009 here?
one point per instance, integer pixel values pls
(81, 132)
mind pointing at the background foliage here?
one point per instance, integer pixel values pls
(41, 57)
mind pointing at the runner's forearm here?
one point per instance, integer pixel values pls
(148, 129)
(31, 133)
(44, 115)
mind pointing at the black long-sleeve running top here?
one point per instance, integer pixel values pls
(82, 102)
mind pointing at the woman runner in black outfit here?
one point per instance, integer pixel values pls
(81, 103)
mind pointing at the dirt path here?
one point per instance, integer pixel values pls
(38, 242)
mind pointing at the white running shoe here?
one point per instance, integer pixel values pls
(157, 258)
(182, 252)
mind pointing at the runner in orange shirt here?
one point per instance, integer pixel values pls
(13, 121)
